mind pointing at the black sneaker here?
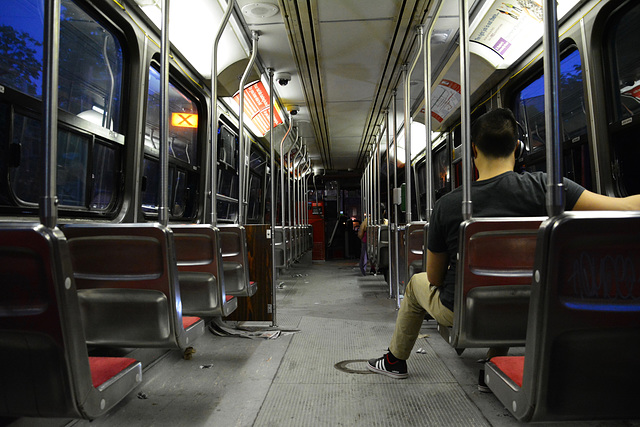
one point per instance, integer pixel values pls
(383, 366)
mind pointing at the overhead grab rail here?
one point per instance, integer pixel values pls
(427, 117)
(396, 240)
(389, 252)
(407, 124)
(213, 119)
(243, 167)
(465, 112)
(163, 208)
(272, 192)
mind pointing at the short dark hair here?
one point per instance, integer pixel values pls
(495, 133)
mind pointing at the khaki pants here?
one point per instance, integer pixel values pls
(419, 298)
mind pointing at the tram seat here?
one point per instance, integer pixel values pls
(296, 242)
(382, 260)
(45, 369)
(279, 240)
(583, 337)
(233, 241)
(415, 236)
(372, 243)
(128, 287)
(309, 237)
(200, 271)
(425, 245)
(493, 282)
(402, 257)
(289, 244)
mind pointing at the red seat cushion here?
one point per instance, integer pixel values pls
(188, 321)
(105, 368)
(511, 366)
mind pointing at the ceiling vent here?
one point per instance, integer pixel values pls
(260, 10)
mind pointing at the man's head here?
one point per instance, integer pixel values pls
(495, 133)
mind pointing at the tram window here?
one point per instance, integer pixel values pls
(104, 176)
(27, 179)
(227, 147)
(183, 119)
(625, 41)
(228, 182)
(227, 211)
(255, 198)
(72, 169)
(257, 163)
(90, 66)
(183, 149)
(150, 190)
(179, 195)
(529, 104)
(74, 178)
(441, 172)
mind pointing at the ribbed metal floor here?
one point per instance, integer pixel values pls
(310, 390)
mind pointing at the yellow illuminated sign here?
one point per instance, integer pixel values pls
(184, 120)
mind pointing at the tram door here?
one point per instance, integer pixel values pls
(316, 220)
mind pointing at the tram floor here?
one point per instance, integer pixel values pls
(317, 375)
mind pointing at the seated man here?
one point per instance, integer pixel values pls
(498, 192)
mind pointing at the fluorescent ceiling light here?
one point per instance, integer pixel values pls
(192, 28)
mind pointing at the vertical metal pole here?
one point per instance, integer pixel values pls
(282, 192)
(379, 192)
(389, 252)
(213, 120)
(555, 193)
(163, 208)
(289, 183)
(465, 115)
(396, 221)
(272, 166)
(407, 128)
(243, 160)
(427, 115)
(49, 202)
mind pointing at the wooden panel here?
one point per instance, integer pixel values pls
(256, 308)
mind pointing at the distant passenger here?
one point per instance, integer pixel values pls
(362, 235)
(499, 191)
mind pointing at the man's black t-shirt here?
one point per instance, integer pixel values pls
(505, 195)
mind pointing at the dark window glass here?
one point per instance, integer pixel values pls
(104, 177)
(227, 211)
(90, 76)
(255, 198)
(183, 139)
(529, 104)
(441, 172)
(27, 179)
(626, 39)
(73, 180)
(183, 120)
(179, 194)
(150, 190)
(72, 169)
(228, 182)
(227, 147)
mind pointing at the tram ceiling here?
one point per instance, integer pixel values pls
(344, 58)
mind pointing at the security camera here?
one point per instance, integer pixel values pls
(293, 109)
(283, 78)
